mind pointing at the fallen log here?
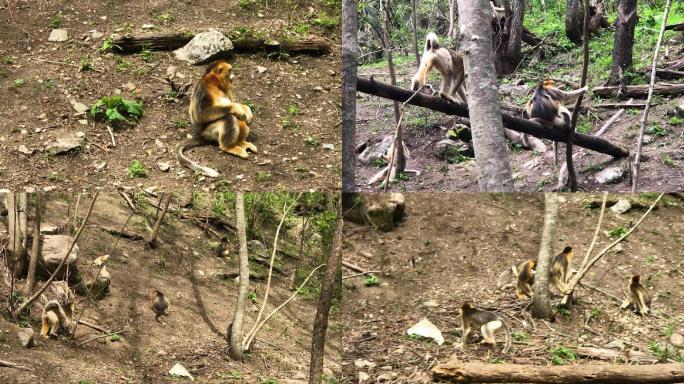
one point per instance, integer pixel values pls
(533, 128)
(170, 41)
(613, 355)
(668, 73)
(675, 27)
(640, 90)
(621, 105)
(458, 372)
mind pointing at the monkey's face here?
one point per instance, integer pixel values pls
(548, 83)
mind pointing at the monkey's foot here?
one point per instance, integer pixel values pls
(447, 97)
(237, 151)
(248, 146)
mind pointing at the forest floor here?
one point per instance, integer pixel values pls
(452, 248)
(662, 166)
(202, 304)
(296, 99)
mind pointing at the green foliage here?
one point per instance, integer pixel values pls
(116, 109)
(560, 355)
(86, 64)
(618, 231)
(263, 176)
(252, 297)
(270, 381)
(115, 338)
(310, 140)
(136, 170)
(660, 351)
(56, 21)
(324, 20)
(293, 110)
(372, 280)
(674, 120)
(519, 336)
(181, 123)
(165, 18)
(108, 45)
(18, 83)
(667, 160)
(146, 54)
(657, 130)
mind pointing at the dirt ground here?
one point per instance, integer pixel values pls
(662, 166)
(202, 302)
(452, 248)
(296, 100)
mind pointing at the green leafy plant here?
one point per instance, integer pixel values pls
(137, 169)
(86, 65)
(657, 130)
(146, 54)
(560, 355)
(520, 336)
(372, 281)
(108, 44)
(180, 123)
(56, 21)
(310, 140)
(263, 176)
(293, 110)
(165, 17)
(326, 21)
(115, 338)
(18, 83)
(617, 231)
(252, 297)
(116, 109)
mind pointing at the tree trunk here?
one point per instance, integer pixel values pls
(637, 91)
(515, 35)
(388, 50)
(491, 152)
(624, 38)
(541, 302)
(415, 31)
(452, 17)
(518, 124)
(16, 207)
(349, 52)
(35, 249)
(330, 280)
(152, 241)
(235, 328)
(457, 372)
(509, 37)
(574, 20)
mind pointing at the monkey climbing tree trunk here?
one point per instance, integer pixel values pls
(349, 52)
(574, 21)
(35, 249)
(388, 50)
(164, 203)
(624, 38)
(330, 280)
(541, 302)
(235, 328)
(491, 152)
(16, 207)
(415, 31)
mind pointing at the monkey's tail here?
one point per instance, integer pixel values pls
(184, 161)
(507, 331)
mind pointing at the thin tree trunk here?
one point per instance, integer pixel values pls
(541, 301)
(349, 53)
(152, 241)
(388, 51)
(235, 328)
(515, 35)
(452, 17)
(16, 215)
(330, 280)
(624, 38)
(491, 152)
(415, 31)
(644, 117)
(35, 249)
(573, 21)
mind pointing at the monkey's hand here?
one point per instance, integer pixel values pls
(242, 112)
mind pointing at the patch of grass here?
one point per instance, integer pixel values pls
(371, 281)
(86, 64)
(252, 297)
(115, 109)
(136, 170)
(326, 21)
(674, 121)
(47, 85)
(584, 126)
(515, 147)
(618, 231)
(181, 123)
(667, 160)
(562, 311)
(18, 83)
(263, 176)
(657, 130)
(246, 3)
(659, 351)
(270, 381)
(650, 259)
(7, 60)
(312, 141)
(121, 63)
(293, 110)
(595, 312)
(115, 338)
(146, 55)
(108, 45)
(519, 336)
(165, 18)
(289, 123)
(560, 355)
(56, 21)
(301, 29)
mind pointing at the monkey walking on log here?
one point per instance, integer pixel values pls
(216, 118)
(448, 63)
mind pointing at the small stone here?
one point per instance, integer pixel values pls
(130, 86)
(331, 72)
(261, 69)
(621, 206)
(100, 166)
(610, 175)
(83, 121)
(240, 176)
(22, 149)
(95, 34)
(318, 88)
(298, 96)
(171, 70)
(80, 134)
(648, 139)
(42, 116)
(677, 340)
(164, 166)
(363, 377)
(328, 146)
(148, 26)
(49, 188)
(64, 145)
(58, 35)
(26, 337)
(79, 107)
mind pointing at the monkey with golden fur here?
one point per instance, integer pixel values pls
(160, 305)
(53, 319)
(486, 322)
(216, 117)
(525, 272)
(448, 63)
(559, 270)
(637, 297)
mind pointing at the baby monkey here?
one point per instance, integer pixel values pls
(448, 63)
(487, 322)
(216, 118)
(560, 268)
(637, 297)
(525, 272)
(160, 305)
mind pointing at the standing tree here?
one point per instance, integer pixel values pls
(16, 220)
(35, 249)
(387, 42)
(491, 152)
(624, 39)
(452, 16)
(541, 302)
(235, 328)
(327, 286)
(414, 24)
(507, 34)
(349, 52)
(574, 21)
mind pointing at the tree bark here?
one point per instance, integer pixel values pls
(35, 249)
(349, 53)
(16, 207)
(518, 124)
(475, 372)
(491, 152)
(452, 17)
(388, 51)
(624, 38)
(152, 241)
(512, 54)
(415, 31)
(541, 301)
(330, 280)
(235, 328)
(574, 21)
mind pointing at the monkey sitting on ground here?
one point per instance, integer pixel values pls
(525, 272)
(559, 270)
(448, 63)
(637, 297)
(487, 322)
(160, 305)
(222, 249)
(216, 118)
(53, 319)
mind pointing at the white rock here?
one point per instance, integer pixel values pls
(621, 206)
(79, 107)
(363, 377)
(179, 370)
(610, 175)
(22, 149)
(164, 166)
(425, 328)
(329, 146)
(148, 26)
(261, 69)
(64, 145)
(205, 46)
(49, 188)
(58, 35)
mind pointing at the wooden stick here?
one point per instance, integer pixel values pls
(8, 364)
(353, 267)
(93, 326)
(101, 336)
(128, 200)
(152, 241)
(360, 274)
